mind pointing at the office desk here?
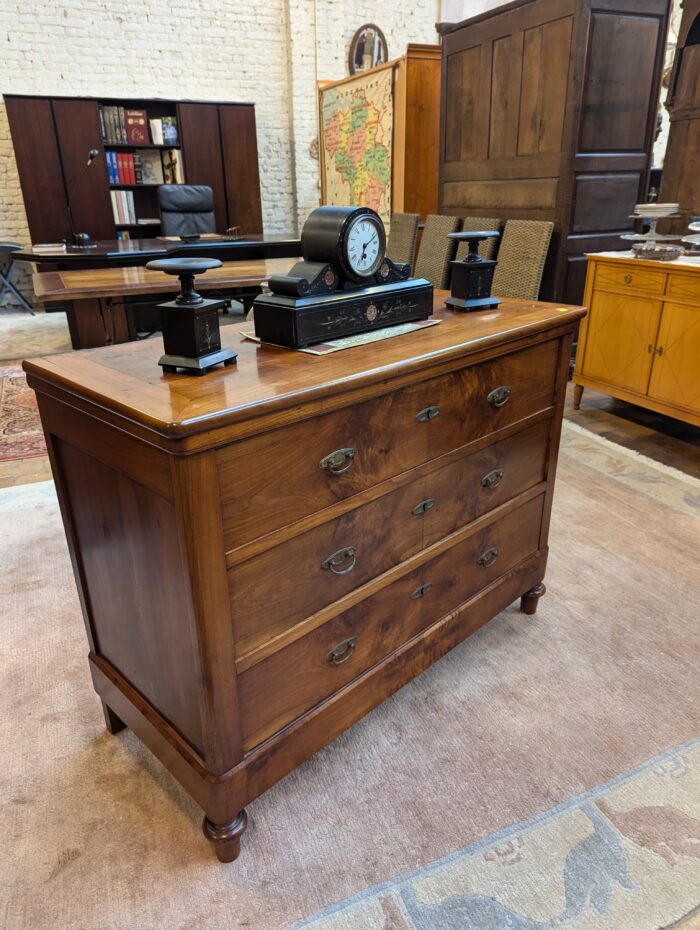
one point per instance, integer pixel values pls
(100, 302)
(121, 254)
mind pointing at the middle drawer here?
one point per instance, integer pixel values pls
(275, 590)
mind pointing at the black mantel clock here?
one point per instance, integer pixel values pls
(344, 285)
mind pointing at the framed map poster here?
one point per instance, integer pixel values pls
(356, 119)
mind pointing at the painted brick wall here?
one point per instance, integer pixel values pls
(270, 53)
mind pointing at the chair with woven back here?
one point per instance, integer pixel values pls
(403, 230)
(436, 250)
(521, 258)
(487, 247)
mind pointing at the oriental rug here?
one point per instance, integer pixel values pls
(21, 436)
(545, 773)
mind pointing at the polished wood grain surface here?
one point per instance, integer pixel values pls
(237, 639)
(127, 381)
(124, 282)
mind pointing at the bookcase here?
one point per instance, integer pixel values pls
(215, 144)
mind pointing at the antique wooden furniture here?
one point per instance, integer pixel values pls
(641, 339)
(99, 302)
(548, 113)
(113, 253)
(266, 553)
(679, 180)
(52, 135)
(415, 138)
(522, 253)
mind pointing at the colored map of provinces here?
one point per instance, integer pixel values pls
(357, 125)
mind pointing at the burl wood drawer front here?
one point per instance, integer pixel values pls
(277, 478)
(275, 590)
(633, 279)
(286, 684)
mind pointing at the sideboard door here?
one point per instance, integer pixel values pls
(674, 375)
(620, 340)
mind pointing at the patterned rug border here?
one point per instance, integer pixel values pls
(638, 457)
(397, 882)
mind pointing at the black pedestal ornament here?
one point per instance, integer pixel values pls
(191, 335)
(472, 277)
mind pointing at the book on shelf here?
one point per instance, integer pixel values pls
(123, 235)
(138, 169)
(112, 124)
(136, 127)
(172, 167)
(151, 167)
(122, 125)
(112, 167)
(123, 207)
(169, 130)
(156, 127)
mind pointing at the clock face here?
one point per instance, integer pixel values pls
(364, 246)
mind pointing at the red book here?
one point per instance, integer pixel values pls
(121, 169)
(136, 127)
(130, 167)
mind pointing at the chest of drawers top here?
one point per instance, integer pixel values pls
(124, 386)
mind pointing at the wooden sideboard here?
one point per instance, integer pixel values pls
(641, 339)
(266, 553)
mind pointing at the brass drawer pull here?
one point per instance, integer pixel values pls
(488, 557)
(342, 555)
(423, 507)
(339, 461)
(342, 652)
(428, 413)
(627, 279)
(498, 396)
(493, 479)
(422, 591)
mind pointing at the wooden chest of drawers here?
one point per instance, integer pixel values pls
(266, 553)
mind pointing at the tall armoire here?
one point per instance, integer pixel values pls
(680, 181)
(548, 112)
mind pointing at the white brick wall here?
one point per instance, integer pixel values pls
(270, 53)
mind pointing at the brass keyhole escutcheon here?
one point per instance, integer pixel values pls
(421, 591)
(338, 462)
(342, 652)
(627, 279)
(428, 413)
(423, 507)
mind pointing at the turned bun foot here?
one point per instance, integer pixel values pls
(528, 602)
(226, 837)
(578, 394)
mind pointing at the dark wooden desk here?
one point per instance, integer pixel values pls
(115, 253)
(205, 516)
(99, 302)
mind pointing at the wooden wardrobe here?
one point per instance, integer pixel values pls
(548, 113)
(680, 181)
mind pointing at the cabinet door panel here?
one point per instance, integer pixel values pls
(620, 339)
(240, 151)
(201, 149)
(78, 131)
(675, 375)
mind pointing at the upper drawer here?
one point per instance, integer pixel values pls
(286, 684)
(632, 279)
(683, 285)
(275, 590)
(279, 477)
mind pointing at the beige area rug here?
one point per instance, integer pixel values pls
(543, 774)
(24, 336)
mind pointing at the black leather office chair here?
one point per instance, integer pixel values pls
(186, 209)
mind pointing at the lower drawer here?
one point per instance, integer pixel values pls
(286, 684)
